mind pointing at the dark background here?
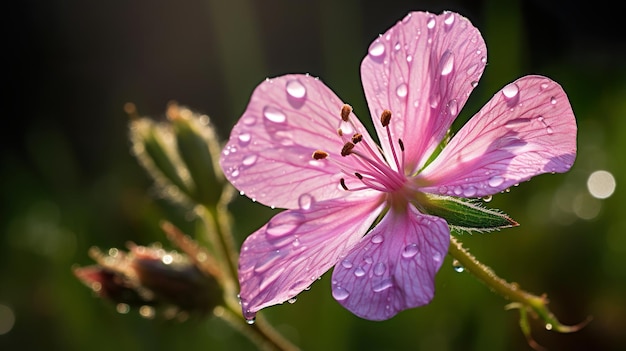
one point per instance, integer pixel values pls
(69, 181)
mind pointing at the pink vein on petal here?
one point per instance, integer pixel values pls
(526, 129)
(269, 154)
(296, 247)
(392, 268)
(422, 70)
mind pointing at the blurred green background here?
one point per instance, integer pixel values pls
(69, 181)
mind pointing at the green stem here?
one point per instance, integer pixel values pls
(511, 291)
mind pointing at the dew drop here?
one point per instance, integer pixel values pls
(346, 264)
(449, 19)
(379, 268)
(453, 107)
(549, 130)
(469, 191)
(553, 100)
(446, 63)
(383, 285)
(283, 224)
(458, 190)
(249, 160)
(544, 86)
(305, 201)
(377, 239)
(251, 320)
(249, 120)
(487, 198)
(410, 251)
(397, 47)
(431, 23)
(456, 265)
(234, 173)
(340, 293)
(377, 49)
(443, 189)
(409, 58)
(436, 257)
(402, 90)
(474, 83)
(244, 139)
(295, 89)
(368, 259)
(274, 114)
(495, 181)
(359, 272)
(510, 91)
(292, 300)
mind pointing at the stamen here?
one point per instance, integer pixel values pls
(343, 184)
(320, 155)
(401, 145)
(347, 149)
(385, 117)
(358, 175)
(345, 112)
(356, 138)
(340, 132)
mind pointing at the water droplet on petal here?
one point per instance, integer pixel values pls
(495, 181)
(346, 264)
(292, 300)
(379, 268)
(340, 293)
(474, 83)
(436, 257)
(487, 198)
(377, 49)
(553, 100)
(402, 90)
(283, 224)
(377, 239)
(383, 285)
(457, 190)
(397, 47)
(359, 272)
(274, 114)
(549, 130)
(510, 91)
(449, 19)
(305, 201)
(234, 173)
(544, 86)
(244, 139)
(469, 191)
(296, 89)
(446, 63)
(409, 58)
(249, 120)
(249, 160)
(453, 107)
(431, 23)
(410, 251)
(250, 320)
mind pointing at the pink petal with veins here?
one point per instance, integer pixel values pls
(296, 247)
(423, 70)
(526, 129)
(269, 154)
(392, 268)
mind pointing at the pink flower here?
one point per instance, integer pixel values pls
(362, 208)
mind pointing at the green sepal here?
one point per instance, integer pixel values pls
(466, 215)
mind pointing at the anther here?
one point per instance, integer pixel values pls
(320, 155)
(340, 132)
(343, 184)
(358, 175)
(347, 149)
(385, 117)
(356, 138)
(345, 112)
(401, 145)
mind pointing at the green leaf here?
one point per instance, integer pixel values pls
(466, 214)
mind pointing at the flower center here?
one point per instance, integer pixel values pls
(367, 169)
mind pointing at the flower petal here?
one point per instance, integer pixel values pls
(269, 153)
(296, 247)
(423, 70)
(392, 268)
(528, 128)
